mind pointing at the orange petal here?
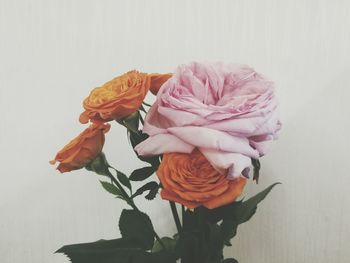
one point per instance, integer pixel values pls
(167, 195)
(84, 117)
(157, 80)
(235, 189)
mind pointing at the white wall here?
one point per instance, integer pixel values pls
(53, 52)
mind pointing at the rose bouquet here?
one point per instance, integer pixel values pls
(202, 137)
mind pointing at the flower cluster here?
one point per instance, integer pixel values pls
(208, 126)
(115, 100)
(208, 122)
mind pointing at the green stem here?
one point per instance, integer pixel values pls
(143, 109)
(183, 213)
(142, 120)
(124, 193)
(130, 202)
(146, 104)
(176, 217)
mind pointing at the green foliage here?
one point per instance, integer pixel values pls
(231, 216)
(151, 187)
(135, 139)
(137, 226)
(230, 260)
(112, 189)
(216, 244)
(200, 240)
(101, 166)
(246, 209)
(136, 136)
(141, 174)
(152, 193)
(239, 212)
(228, 230)
(203, 240)
(123, 179)
(113, 251)
(169, 245)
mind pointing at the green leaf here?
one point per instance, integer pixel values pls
(123, 179)
(141, 174)
(197, 241)
(113, 251)
(151, 187)
(229, 260)
(247, 209)
(256, 169)
(157, 257)
(137, 226)
(228, 230)
(168, 242)
(238, 213)
(103, 251)
(187, 247)
(111, 188)
(152, 193)
(135, 139)
(216, 244)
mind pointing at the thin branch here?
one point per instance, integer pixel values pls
(146, 104)
(176, 217)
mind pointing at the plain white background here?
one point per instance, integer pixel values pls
(52, 53)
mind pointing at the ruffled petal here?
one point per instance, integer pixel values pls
(221, 161)
(213, 139)
(163, 143)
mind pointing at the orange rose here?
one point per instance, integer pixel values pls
(83, 149)
(119, 97)
(189, 179)
(157, 81)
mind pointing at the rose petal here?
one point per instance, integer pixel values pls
(163, 143)
(213, 139)
(222, 161)
(235, 189)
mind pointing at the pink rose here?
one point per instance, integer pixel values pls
(228, 112)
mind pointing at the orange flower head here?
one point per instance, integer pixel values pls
(83, 149)
(119, 97)
(189, 179)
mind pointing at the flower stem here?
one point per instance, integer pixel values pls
(183, 213)
(130, 202)
(176, 217)
(146, 104)
(125, 195)
(142, 120)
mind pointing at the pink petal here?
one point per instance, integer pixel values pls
(202, 137)
(154, 122)
(234, 162)
(163, 143)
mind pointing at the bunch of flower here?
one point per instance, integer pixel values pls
(202, 137)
